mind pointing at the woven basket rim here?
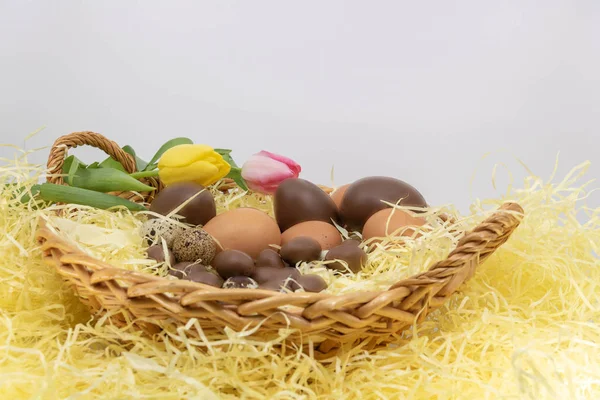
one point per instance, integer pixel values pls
(339, 317)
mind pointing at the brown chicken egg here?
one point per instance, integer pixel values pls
(378, 226)
(244, 229)
(326, 234)
(338, 194)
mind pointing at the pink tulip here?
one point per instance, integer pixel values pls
(264, 171)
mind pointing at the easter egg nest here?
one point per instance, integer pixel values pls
(402, 282)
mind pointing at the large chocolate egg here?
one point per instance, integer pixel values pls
(298, 200)
(364, 198)
(198, 211)
(245, 229)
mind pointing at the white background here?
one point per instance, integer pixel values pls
(417, 90)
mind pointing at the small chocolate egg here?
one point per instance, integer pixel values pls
(197, 211)
(230, 263)
(269, 258)
(351, 242)
(183, 269)
(300, 248)
(378, 225)
(264, 274)
(312, 283)
(297, 200)
(244, 229)
(208, 278)
(240, 282)
(157, 253)
(364, 198)
(353, 255)
(155, 229)
(338, 194)
(326, 234)
(194, 245)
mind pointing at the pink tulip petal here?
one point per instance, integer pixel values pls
(264, 171)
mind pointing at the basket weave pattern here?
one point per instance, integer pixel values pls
(152, 300)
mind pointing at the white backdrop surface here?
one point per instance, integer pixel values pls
(417, 90)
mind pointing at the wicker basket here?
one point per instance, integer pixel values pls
(152, 302)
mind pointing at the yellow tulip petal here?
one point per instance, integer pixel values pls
(200, 172)
(185, 154)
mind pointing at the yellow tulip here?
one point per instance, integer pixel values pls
(197, 163)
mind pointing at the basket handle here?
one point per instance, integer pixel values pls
(59, 150)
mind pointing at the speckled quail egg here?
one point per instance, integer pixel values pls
(194, 245)
(155, 229)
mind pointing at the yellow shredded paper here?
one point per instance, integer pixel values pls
(524, 327)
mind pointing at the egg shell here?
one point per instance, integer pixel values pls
(363, 198)
(298, 200)
(375, 227)
(326, 234)
(338, 194)
(244, 229)
(153, 230)
(194, 245)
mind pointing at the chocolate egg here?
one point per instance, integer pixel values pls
(364, 198)
(197, 211)
(298, 200)
(208, 278)
(244, 229)
(157, 253)
(338, 194)
(230, 263)
(194, 245)
(391, 221)
(264, 274)
(184, 269)
(353, 255)
(240, 282)
(326, 234)
(300, 248)
(269, 258)
(312, 283)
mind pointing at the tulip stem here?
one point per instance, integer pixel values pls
(144, 174)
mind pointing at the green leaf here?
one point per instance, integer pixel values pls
(139, 163)
(112, 163)
(73, 168)
(108, 180)
(171, 143)
(93, 165)
(236, 175)
(75, 195)
(69, 161)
